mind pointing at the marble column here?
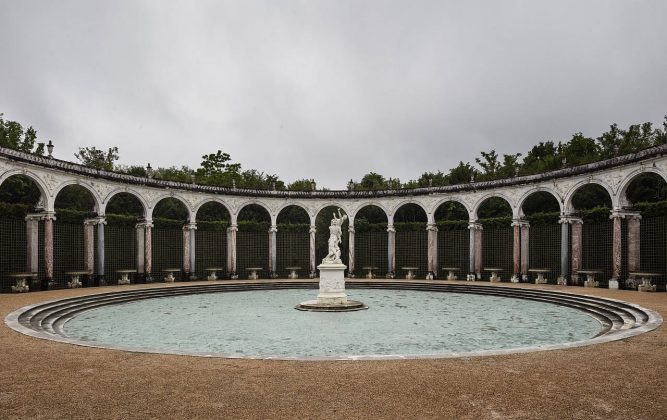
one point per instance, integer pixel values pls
(577, 226)
(193, 253)
(516, 251)
(100, 279)
(432, 257)
(140, 239)
(312, 273)
(525, 242)
(148, 252)
(32, 247)
(350, 253)
(273, 252)
(88, 246)
(564, 222)
(231, 251)
(49, 217)
(634, 236)
(617, 242)
(186, 250)
(475, 250)
(391, 251)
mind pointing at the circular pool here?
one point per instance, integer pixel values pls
(264, 324)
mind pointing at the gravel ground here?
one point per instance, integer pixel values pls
(625, 379)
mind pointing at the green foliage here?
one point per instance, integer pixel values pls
(20, 189)
(13, 136)
(97, 158)
(374, 181)
(301, 185)
(462, 174)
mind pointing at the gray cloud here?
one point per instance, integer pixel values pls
(329, 89)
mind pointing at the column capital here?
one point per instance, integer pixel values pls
(351, 229)
(475, 225)
(570, 219)
(190, 226)
(273, 228)
(624, 214)
(34, 217)
(432, 227)
(390, 228)
(100, 220)
(312, 229)
(233, 228)
(143, 224)
(524, 223)
(49, 215)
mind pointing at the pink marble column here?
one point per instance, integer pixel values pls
(313, 263)
(350, 249)
(525, 243)
(616, 246)
(140, 240)
(391, 251)
(634, 235)
(577, 238)
(478, 252)
(432, 232)
(516, 251)
(186, 249)
(273, 251)
(88, 246)
(48, 245)
(148, 252)
(32, 242)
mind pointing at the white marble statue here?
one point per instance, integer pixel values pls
(335, 235)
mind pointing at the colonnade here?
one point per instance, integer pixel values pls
(570, 257)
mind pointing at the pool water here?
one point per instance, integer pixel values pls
(265, 324)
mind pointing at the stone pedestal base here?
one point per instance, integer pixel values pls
(515, 279)
(613, 284)
(646, 286)
(540, 279)
(561, 281)
(332, 284)
(332, 296)
(591, 283)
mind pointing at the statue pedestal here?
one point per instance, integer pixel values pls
(332, 296)
(332, 284)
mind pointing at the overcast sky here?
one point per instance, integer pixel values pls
(329, 90)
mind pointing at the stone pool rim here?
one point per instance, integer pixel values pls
(18, 320)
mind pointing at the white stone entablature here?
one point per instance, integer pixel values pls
(52, 175)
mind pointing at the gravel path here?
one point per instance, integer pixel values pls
(625, 379)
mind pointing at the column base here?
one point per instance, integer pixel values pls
(233, 275)
(273, 275)
(561, 281)
(515, 279)
(312, 275)
(148, 278)
(100, 281)
(390, 275)
(613, 284)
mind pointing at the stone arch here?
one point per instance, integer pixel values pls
(256, 202)
(324, 205)
(178, 197)
(527, 194)
(201, 204)
(568, 207)
(444, 200)
(290, 204)
(46, 198)
(623, 190)
(89, 188)
(410, 201)
(481, 200)
(371, 203)
(131, 191)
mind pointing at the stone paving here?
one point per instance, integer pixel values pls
(621, 379)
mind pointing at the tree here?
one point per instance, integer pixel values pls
(542, 158)
(13, 136)
(462, 174)
(580, 150)
(489, 164)
(97, 158)
(301, 185)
